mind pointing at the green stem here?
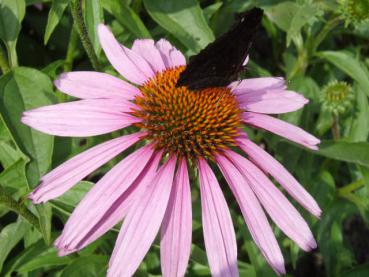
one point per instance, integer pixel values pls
(76, 10)
(351, 187)
(335, 128)
(4, 64)
(329, 26)
(17, 206)
(72, 45)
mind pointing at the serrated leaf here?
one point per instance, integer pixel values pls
(352, 152)
(351, 66)
(184, 19)
(55, 14)
(127, 17)
(11, 16)
(94, 16)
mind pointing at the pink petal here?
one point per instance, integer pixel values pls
(147, 50)
(119, 208)
(95, 85)
(271, 101)
(142, 224)
(281, 128)
(253, 214)
(219, 235)
(127, 62)
(81, 118)
(245, 62)
(170, 55)
(257, 84)
(65, 176)
(97, 204)
(176, 229)
(275, 203)
(270, 165)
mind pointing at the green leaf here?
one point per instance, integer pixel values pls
(55, 14)
(184, 19)
(48, 258)
(291, 17)
(9, 237)
(94, 265)
(14, 176)
(359, 129)
(72, 197)
(45, 214)
(351, 66)
(11, 16)
(210, 10)
(358, 271)
(8, 155)
(94, 16)
(19, 93)
(351, 152)
(127, 17)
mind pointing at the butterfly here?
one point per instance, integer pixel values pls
(220, 62)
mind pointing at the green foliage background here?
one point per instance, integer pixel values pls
(308, 42)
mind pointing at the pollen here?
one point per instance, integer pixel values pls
(187, 123)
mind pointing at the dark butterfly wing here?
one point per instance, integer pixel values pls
(219, 63)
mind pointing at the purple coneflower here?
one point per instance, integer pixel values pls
(150, 188)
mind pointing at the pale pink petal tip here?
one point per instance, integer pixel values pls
(281, 128)
(271, 166)
(95, 85)
(83, 118)
(128, 63)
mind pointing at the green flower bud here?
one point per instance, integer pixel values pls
(354, 11)
(337, 97)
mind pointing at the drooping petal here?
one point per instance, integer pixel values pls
(95, 85)
(65, 176)
(81, 118)
(170, 55)
(281, 128)
(245, 62)
(176, 230)
(257, 84)
(142, 224)
(253, 214)
(283, 213)
(146, 49)
(271, 101)
(99, 200)
(119, 208)
(270, 165)
(219, 235)
(127, 62)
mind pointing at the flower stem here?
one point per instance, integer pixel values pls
(335, 128)
(72, 45)
(329, 26)
(17, 206)
(76, 10)
(4, 64)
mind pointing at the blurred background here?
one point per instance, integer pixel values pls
(321, 47)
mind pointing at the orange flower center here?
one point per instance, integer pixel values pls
(187, 123)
